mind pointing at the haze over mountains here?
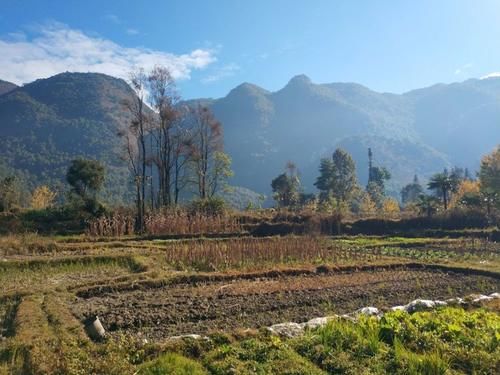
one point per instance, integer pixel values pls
(420, 132)
(47, 123)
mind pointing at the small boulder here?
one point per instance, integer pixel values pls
(455, 301)
(94, 328)
(482, 298)
(318, 322)
(420, 305)
(438, 303)
(287, 329)
(495, 295)
(368, 311)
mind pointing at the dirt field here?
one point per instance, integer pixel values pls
(156, 310)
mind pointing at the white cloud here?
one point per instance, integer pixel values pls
(222, 72)
(463, 69)
(113, 18)
(491, 75)
(56, 48)
(132, 31)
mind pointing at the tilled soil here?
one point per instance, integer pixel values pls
(199, 308)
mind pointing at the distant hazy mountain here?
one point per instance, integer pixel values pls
(47, 123)
(419, 132)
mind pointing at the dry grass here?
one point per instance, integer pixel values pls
(174, 222)
(26, 244)
(181, 222)
(249, 252)
(111, 226)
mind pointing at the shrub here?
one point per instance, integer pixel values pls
(209, 206)
(173, 364)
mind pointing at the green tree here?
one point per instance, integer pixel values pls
(444, 184)
(10, 194)
(337, 177)
(344, 175)
(489, 179)
(427, 204)
(411, 192)
(376, 184)
(286, 187)
(86, 177)
(324, 181)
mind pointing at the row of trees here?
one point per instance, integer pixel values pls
(171, 147)
(457, 188)
(339, 189)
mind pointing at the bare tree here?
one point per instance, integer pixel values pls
(210, 164)
(181, 158)
(135, 141)
(164, 99)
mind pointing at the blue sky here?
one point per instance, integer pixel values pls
(212, 46)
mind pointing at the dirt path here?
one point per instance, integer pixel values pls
(224, 305)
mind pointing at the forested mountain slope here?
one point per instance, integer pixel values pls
(49, 122)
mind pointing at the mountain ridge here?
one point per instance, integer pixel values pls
(6, 87)
(50, 121)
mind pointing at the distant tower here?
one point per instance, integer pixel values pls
(370, 164)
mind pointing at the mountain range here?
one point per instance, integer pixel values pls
(46, 123)
(419, 132)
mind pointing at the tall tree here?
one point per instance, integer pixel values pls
(210, 165)
(286, 189)
(337, 176)
(444, 184)
(489, 179)
(85, 177)
(324, 181)
(377, 176)
(411, 192)
(164, 98)
(135, 136)
(181, 159)
(10, 194)
(427, 204)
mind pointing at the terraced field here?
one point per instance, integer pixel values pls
(159, 310)
(147, 290)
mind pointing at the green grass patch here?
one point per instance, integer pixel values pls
(449, 339)
(40, 274)
(174, 364)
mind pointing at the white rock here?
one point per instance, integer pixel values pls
(289, 329)
(440, 303)
(317, 322)
(495, 295)
(420, 305)
(455, 301)
(368, 311)
(482, 298)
